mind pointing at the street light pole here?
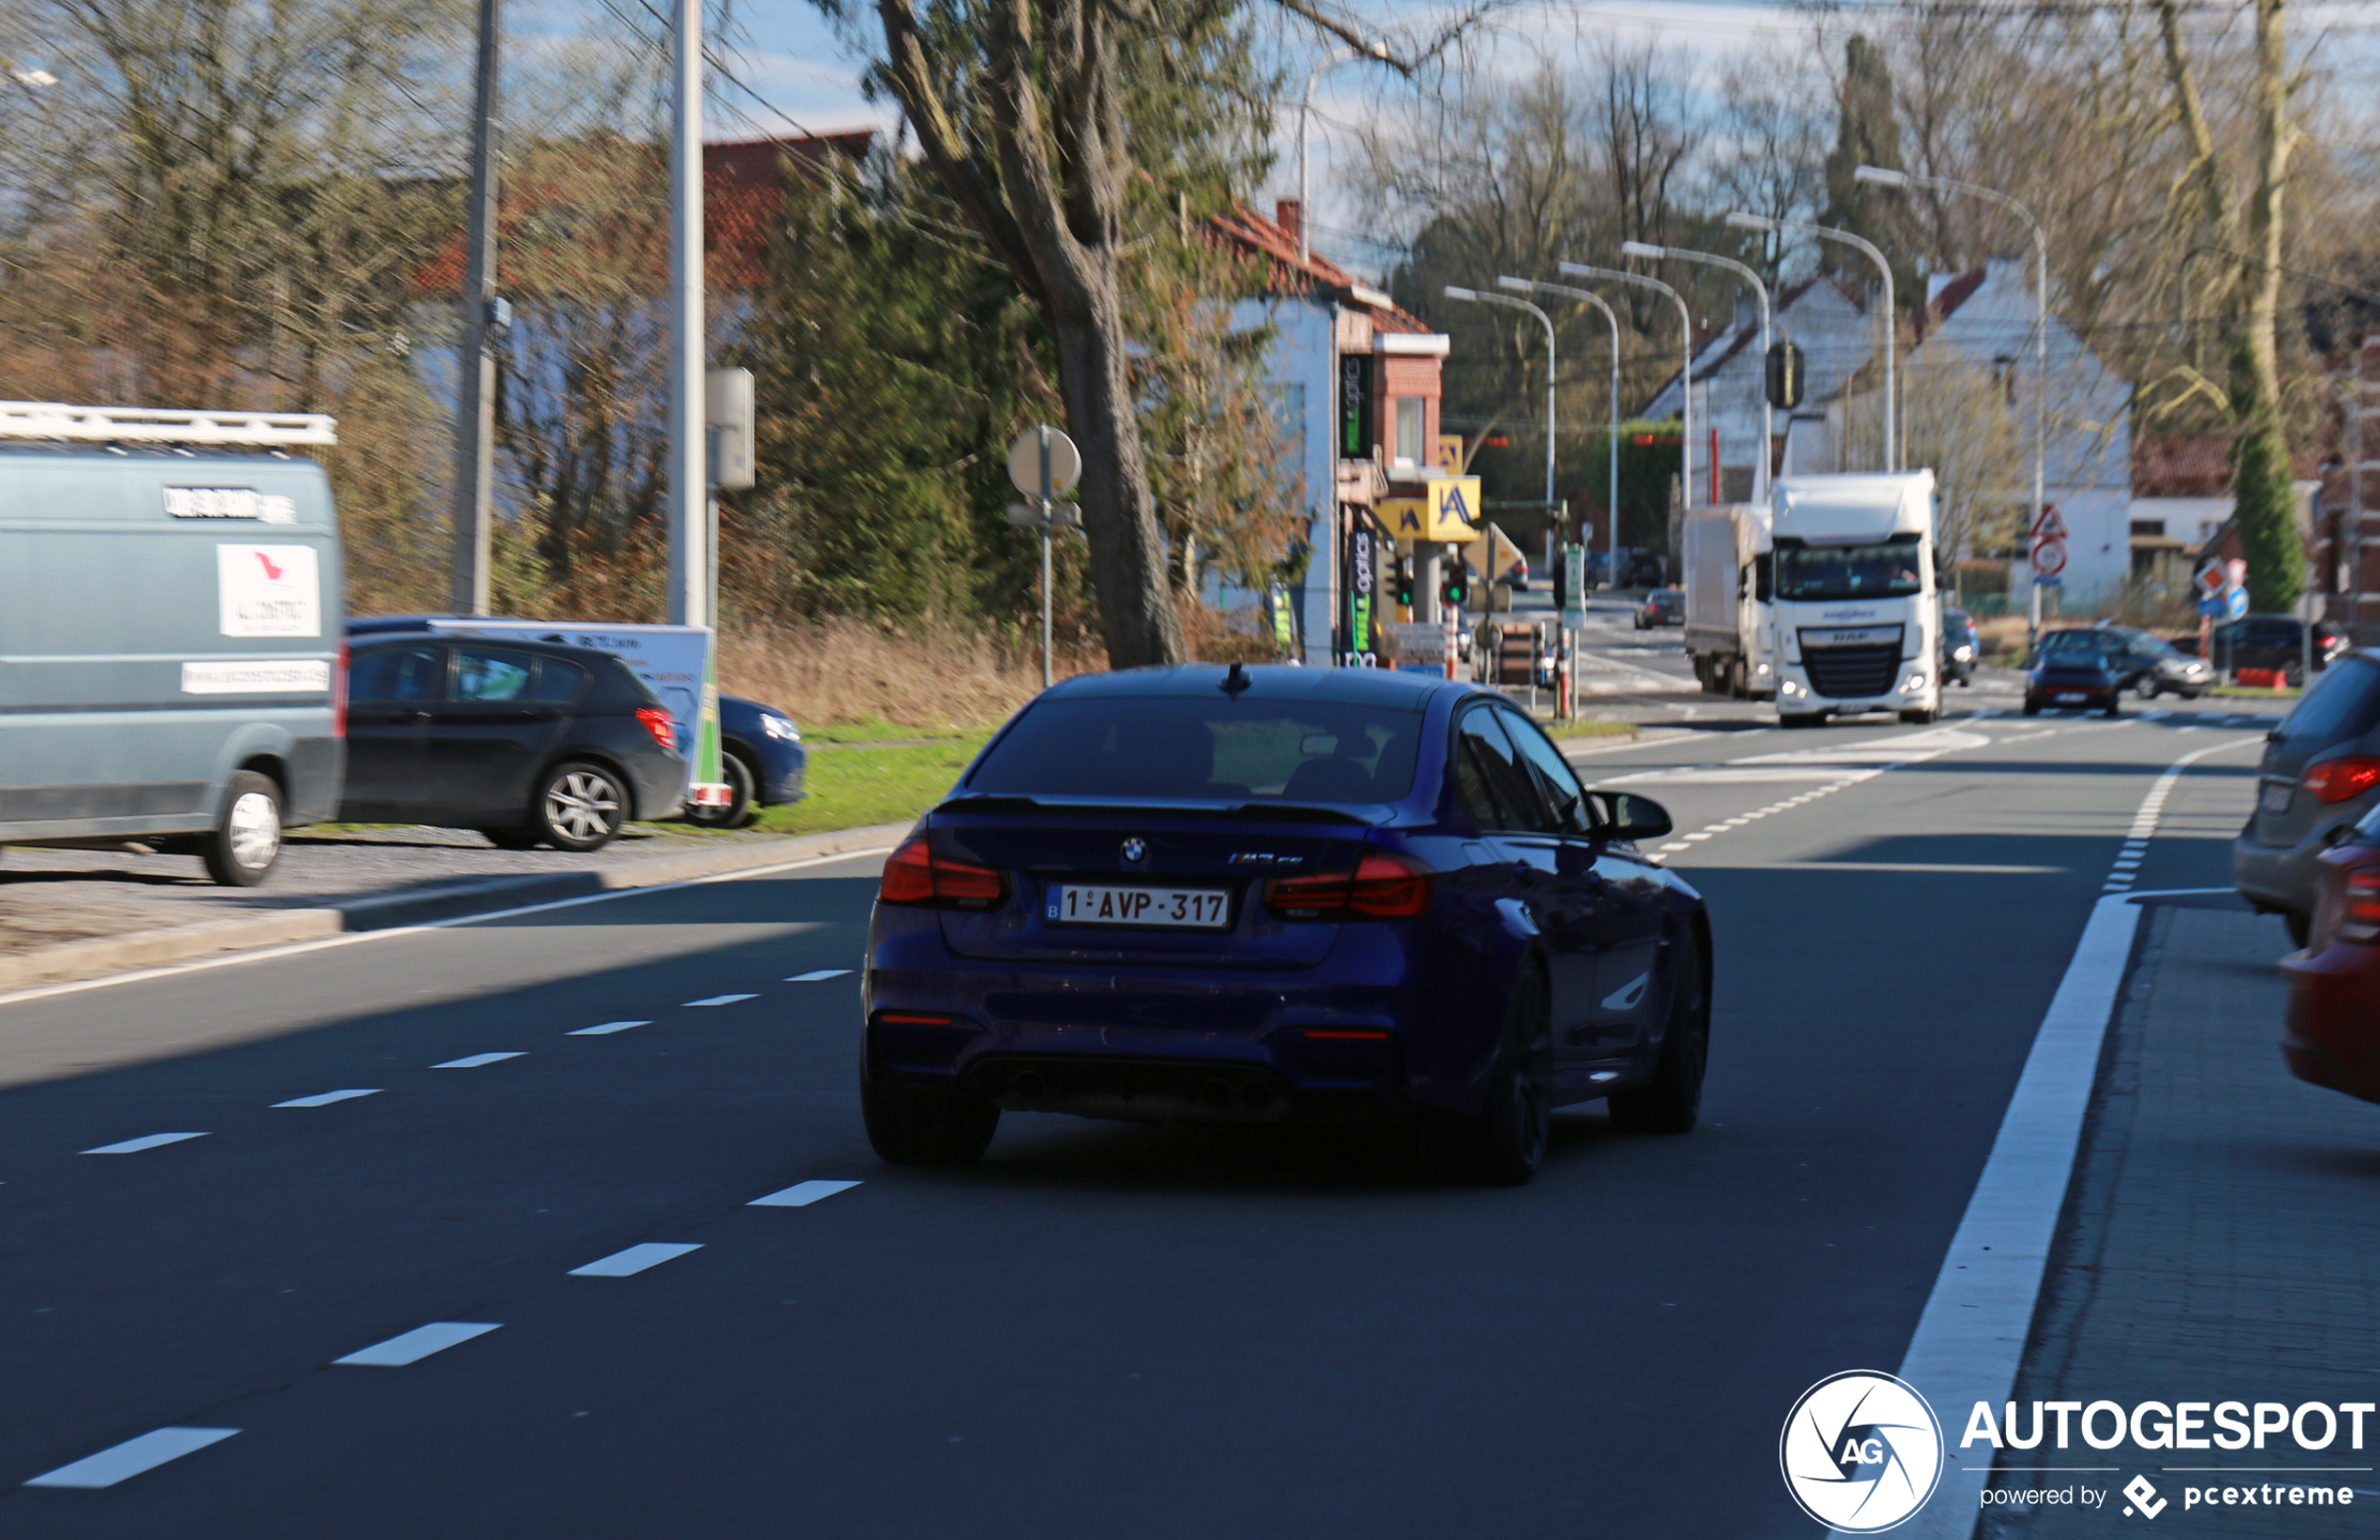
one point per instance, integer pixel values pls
(1474, 297)
(1305, 117)
(1639, 248)
(1686, 376)
(468, 586)
(1612, 455)
(1879, 176)
(688, 476)
(1783, 227)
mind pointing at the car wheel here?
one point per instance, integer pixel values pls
(246, 838)
(1673, 1099)
(2300, 925)
(923, 1128)
(1791, 719)
(514, 840)
(1505, 1144)
(580, 806)
(2146, 686)
(738, 810)
(2115, 704)
(2032, 707)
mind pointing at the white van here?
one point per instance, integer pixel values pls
(170, 616)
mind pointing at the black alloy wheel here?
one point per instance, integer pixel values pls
(1505, 1144)
(1672, 1101)
(909, 1127)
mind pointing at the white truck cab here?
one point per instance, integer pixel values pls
(1854, 608)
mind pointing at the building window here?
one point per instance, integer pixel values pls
(1408, 446)
(2149, 526)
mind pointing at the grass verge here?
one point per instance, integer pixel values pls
(860, 785)
(1585, 727)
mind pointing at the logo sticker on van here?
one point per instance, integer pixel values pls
(268, 590)
(229, 502)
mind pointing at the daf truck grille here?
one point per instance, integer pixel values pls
(1846, 665)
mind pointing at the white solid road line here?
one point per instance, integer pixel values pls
(326, 1098)
(413, 1346)
(474, 1061)
(1969, 1342)
(801, 1194)
(634, 1260)
(132, 1456)
(146, 1141)
(722, 999)
(360, 936)
(605, 1029)
(818, 975)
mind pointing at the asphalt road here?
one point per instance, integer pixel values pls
(1103, 1329)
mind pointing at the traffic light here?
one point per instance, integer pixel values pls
(1405, 581)
(1784, 376)
(1452, 589)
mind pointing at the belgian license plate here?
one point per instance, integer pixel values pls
(1174, 909)
(2070, 697)
(2275, 799)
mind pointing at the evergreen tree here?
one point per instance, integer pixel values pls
(1867, 133)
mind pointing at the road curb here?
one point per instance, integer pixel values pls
(98, 955)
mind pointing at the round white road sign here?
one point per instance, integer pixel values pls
(1024, 463)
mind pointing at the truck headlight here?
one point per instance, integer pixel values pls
(1916, 681)
(1789, 686)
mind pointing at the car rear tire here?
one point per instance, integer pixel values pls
(738, 811)
(1672, 1101)
(1504, 1145)
(246, 838)
(580, 805)
(2115, 704)
(2032, 707)
(923, 1128)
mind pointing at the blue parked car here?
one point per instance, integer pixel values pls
(1272, 892)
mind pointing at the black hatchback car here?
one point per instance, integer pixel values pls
(2276, 642)
(531, 742)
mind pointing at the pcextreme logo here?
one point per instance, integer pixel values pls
(1861, 1451)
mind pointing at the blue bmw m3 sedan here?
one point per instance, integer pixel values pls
(1261, 894)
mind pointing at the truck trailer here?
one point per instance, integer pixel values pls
(1728, 630)
(1854, 615)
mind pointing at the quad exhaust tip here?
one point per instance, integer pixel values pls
(1030, 1086)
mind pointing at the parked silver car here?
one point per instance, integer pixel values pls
(2321, 773)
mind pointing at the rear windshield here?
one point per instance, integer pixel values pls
(1191, 749)
(2068, 646)
(2344, 703)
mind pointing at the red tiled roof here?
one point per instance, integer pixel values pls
(743, 193)
(2181, 465)
(1265, 240)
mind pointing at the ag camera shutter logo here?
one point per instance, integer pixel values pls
(1861, 1451)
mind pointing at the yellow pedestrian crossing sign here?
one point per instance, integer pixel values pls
(1453, 507)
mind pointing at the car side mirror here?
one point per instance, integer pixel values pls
(1628, 815)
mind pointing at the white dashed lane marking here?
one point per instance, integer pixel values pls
(146, 1141)
(722, 1000)
(326, 1098)
(818, 975)
(132, 1456)
(801, 1194)
(606, 1028)
(634, 1260)
(413, 1346)
(472, 1061)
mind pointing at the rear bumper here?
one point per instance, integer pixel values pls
(2287, 877)
(1165, 1044)
(2333, 1036)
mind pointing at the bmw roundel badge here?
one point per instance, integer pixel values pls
(1135, 850)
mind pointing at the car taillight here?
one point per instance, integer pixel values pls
(338, 696)
(915, 875)
(2338, 781)
(1381, 887)
(2359, 922)
(657, 722)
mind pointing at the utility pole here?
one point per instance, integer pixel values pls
(1759, 290)
(688, 478)
(1612, 456)
(1885, 271)
(475, 358)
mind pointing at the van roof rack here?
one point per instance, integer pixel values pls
(158, 425)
